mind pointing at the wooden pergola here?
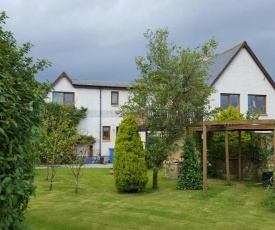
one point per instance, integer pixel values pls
(226, 126)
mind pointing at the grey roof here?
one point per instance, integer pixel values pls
(219, 63)
(95, 83)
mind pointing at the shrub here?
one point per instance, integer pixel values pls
(130, 171)
(21, 103)
(191, 174)
(269, 201)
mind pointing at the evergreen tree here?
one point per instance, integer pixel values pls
(130, 171)
(191, 173)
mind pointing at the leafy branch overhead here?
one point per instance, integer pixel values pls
(171, 91)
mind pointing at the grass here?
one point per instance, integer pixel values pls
(99, 206)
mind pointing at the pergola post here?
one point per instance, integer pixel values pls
(240, 156)
(227, 157)
(204, 158)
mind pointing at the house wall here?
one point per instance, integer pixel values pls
(244, 77)
(90, 98)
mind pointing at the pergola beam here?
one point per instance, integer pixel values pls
(213, 126)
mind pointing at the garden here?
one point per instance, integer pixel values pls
(98, 205)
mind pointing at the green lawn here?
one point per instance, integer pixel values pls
(99, 206)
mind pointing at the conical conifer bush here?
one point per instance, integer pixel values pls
(191, 174)
(130, 171)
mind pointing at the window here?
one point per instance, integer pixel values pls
(106, 133)
(257, 104)
(230, 100)
(63, 98)
(114, 98)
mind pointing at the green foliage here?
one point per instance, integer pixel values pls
(216, 141)
(171, 92)
(269, 201)
(254, 153)
(191, 173)
(21, 103)
(130, 171)
(59, 137)
(156, 152)
(257, 150)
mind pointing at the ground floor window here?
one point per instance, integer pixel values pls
(106, 133)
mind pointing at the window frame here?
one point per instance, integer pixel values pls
(108, 138)
(117, 99)
(228, 95)
(64, 98)
(257, 110)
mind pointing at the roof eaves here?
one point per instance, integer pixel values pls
(254, 57)
(63, 75)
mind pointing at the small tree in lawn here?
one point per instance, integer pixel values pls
(76, 161)
(191, 173)
(59, 136)
(156, 153)
(130, 171)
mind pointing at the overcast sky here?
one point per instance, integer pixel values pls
(99, 39)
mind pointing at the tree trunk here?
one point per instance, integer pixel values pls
(47, 172)
(155, 178)
(76, 185)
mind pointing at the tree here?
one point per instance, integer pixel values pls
(130, 170)
(171, 92)
(75, 162)
(190, 177)
(156, 153)
(59, 136)
(21, 103)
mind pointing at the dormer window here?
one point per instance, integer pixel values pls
(63, 98)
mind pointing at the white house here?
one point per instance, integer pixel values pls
(240, 80)
(102, 99)
(236, 74)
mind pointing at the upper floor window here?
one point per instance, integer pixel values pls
(232, 100)
(114, 98)
(257, 104)
(63, 98)
(106, 133)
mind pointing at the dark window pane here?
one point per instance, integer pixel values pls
(69, 98)
(224, 101)
(261, 104)
(234, 100)
(57, 98)
(106, 132)
(251, 103)
(114, 98)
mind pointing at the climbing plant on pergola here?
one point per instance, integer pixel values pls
(227, 126)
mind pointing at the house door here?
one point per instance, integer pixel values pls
(91, 151)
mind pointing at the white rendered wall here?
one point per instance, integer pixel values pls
(90, 98)
(244, 77)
